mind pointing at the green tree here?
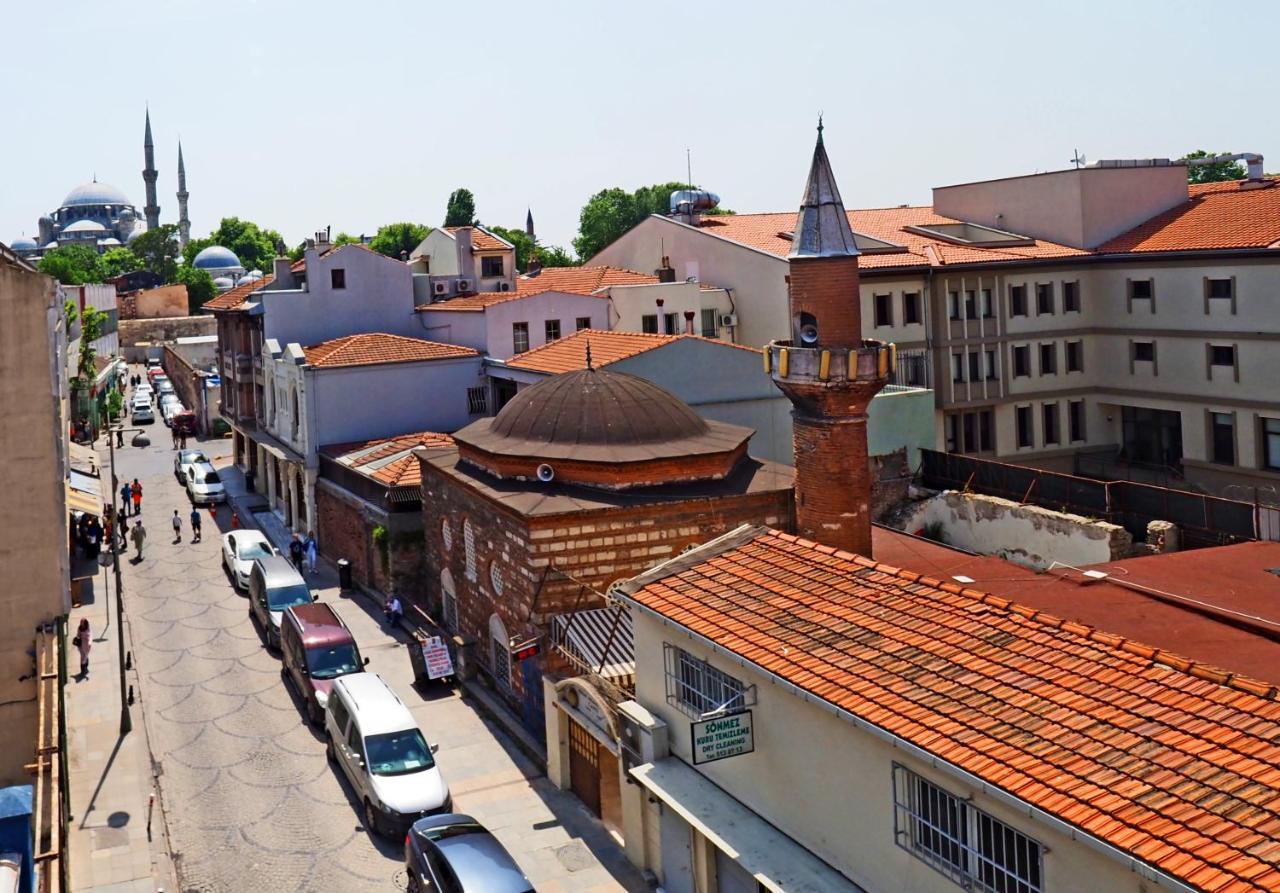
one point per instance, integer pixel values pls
(118, 261)
(158, 250)
(555, 256)
(91, 320)
(461, 210)
(393, 238)
(345, 239)
(656, 199)
(200, 287)
(255, 246)
(1216, 172)
(610, 213)
(73, 264)
(70, 313)
(519, 238)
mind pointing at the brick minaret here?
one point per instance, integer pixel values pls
(827, 370)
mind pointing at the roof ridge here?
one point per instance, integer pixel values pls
(1198, 669)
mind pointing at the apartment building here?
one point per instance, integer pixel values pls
(1112, 310)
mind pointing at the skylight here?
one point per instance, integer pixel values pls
(970, 234)
(866, 244)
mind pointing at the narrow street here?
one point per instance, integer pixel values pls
(251, 801)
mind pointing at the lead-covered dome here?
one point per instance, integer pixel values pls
(215, 257)
(22, 243)
(85, 226)
(604, 429)
(95, 194)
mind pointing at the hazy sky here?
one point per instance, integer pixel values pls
(302, 114)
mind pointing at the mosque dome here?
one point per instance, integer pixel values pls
(224, 283)
(133, 235)
(95, 193)
(109, 242)
(84, 226)
(215, 257)
(22, 243)
(51, 246)
(602, 429)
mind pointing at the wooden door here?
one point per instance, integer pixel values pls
(584, 766)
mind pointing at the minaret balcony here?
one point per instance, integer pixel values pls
(830, 381)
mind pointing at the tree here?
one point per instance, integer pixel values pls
(73, 264)
(394, 238)
(555, 256)
(70, 313)
(1216, 172)
(461, 210)
(158, 250)
(255, 246)
(346, 239)
(91, 320)
(200, 287)
(656, 199)
(519, 238)
(118, 261)
(610, 213)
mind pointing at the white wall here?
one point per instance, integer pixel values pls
(536, 310)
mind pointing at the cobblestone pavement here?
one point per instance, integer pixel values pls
(251, 801)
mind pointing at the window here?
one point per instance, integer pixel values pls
(1044, 299)
(975, 366)
(970, 432)
(1075, 420)
(448, 601)
(1049, 414)
(1142, 290)
(1221, 288)
(338, 278)
(552, 330)
(672, 322)
(953, 304)
(973, 849)
(478, 400)
(1048, 359)
(1022, 416)
(446, 535)
(649, 324)
(911, 308)
(696, 688)
(957, 367)
(1222, 355)
(1071, 297)
(970, 304)
(520, 336)
(992, 374)
(582, 322)
(710, 325)
(1075, 356)
(1018, 300)
(495, 579)
(883, 310)
(500, 652)
(1270, 443)
(1144, 351)
(1223, 438)
(469, 548)
(988, 305)
(1021, 361)
(490, 267)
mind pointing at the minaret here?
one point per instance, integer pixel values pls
(827, 371)
(528, 224)
(152, 210)
(184, 224)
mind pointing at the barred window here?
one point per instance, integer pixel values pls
(696, 688)
(478, 400)
(973, 849)
(469, 549)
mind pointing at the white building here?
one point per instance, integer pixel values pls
(461, 260)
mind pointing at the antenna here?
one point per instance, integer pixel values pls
(1077, 159)
(688, 166)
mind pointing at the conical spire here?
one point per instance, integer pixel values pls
(146, 141)
(822, 226)
(182, 168)
(528, 224)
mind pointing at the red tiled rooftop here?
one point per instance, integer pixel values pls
(232, 299)
(569, 354)
(584, 281)
(388, 460)
(481, 239)
(1218, 215)
(1107, 734)
(377, 348)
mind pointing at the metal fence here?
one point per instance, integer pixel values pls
(1202, 520)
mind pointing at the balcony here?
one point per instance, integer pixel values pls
(874, 362)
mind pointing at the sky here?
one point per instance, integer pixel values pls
(299, 115)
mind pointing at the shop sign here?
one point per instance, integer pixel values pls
(435, 654)
(727, 735)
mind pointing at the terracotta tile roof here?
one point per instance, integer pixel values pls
(1218, 215)
(388, 460)
(569, 354)
(231, 300)
(481, 239)
(569, 280)
(378, 347)
(1130, 744)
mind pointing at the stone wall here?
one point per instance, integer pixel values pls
(140, 332)
(345, 526)
(165, 301)
(1026, 534)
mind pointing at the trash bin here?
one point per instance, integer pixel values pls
(248, 479)
(344, 573)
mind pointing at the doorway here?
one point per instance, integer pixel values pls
(1152, 436)
(584, 766)
(503, 390)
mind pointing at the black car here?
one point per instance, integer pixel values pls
(455, 854)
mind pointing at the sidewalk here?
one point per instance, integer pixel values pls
(110, 776)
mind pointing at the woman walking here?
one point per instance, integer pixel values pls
(312, 551)
(82, 643)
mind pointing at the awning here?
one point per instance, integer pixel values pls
(599, 641)
(82, 500)
(779, 863)
(83, 458)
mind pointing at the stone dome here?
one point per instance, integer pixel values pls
(22, 243)
(137, 231)
(224, 283)
(109, 242)
(215, 257)
(602, 429)
(95, 194)
(85, 226)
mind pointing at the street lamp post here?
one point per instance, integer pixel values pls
(140, 439)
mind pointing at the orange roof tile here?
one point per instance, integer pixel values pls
(1108, 735)
(481, 239)
(388, 460)
(584, 281)
(377, 348)
(569, 354)
(1217, 216)
(231, 300)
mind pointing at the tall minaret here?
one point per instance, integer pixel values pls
(827, 371)
(528, 224)
(149, 174)
(184, 224)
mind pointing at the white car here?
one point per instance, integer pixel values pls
(204, 486)
(169, 407)
(142, 412)
(239, 550)
(142, 389)
(184, 460)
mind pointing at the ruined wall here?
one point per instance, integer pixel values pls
(134, 332)
(1026, 534)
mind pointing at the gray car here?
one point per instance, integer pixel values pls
(274, 585)
(455, 854)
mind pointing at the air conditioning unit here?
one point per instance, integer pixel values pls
(440, 288)
(504, 286)
(464, 285)
(644, 736)
(729, 320)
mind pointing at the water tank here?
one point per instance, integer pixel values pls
(692, 201)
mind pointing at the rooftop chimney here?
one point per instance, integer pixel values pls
(662, 318)
(688, 322)
(666, 272)
(466, 258)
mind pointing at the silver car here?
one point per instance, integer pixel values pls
(455, 854)
(142, 412)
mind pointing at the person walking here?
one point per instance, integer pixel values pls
(195, 524)
(312, 550)
(92, 539)
(174, 432)
(177, 526)
(83, 644)
(296, 552)
(136, 490)
(182, 440)
(121, 543)
(126, 493)
(139, 537)
(393, 611)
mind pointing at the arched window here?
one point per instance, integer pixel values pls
(294, 405)
(499, 651)
(469, 548)
(448, 601)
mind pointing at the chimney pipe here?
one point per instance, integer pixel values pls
(665, 273)
(662, 319)
(688, 322)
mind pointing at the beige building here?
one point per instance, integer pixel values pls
(1110, 320)
(33, 547)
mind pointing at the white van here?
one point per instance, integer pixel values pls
(373, 738)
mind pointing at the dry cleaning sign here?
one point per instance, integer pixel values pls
(724, 736)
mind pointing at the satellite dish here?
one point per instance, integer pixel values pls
(546, 473)
(809, 333)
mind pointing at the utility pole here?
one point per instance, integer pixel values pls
(140, 439)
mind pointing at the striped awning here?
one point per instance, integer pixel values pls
(598, 641)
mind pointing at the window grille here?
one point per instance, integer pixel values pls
(709, 323)
(469, 548)
(963, 843)
(696, 688)
(478, 400)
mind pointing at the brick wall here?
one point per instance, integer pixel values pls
(833, 486)
(182, 375)
(827, 287)
(345, 526)
(151, 331)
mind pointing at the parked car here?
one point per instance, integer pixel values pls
(163, 386)
(170, 408)
(204, 486)
(142, 389)
(142, 412)
(275, 586)
(240, 549)
(185, 458)
(184, 422)
(315, 649)
(456, 854)
(153, 363)
(375, 741)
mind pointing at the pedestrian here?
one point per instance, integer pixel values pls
(182, 440)
(177, 526)
(92, 539)
(81, 642)
(296, 552)
(136, 490)
(174, 432)
(393, 611)
(195, 524)
(312, 551)
(122, 544)
(139, 536)
(126, 493)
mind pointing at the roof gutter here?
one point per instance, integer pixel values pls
(1137, 866)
